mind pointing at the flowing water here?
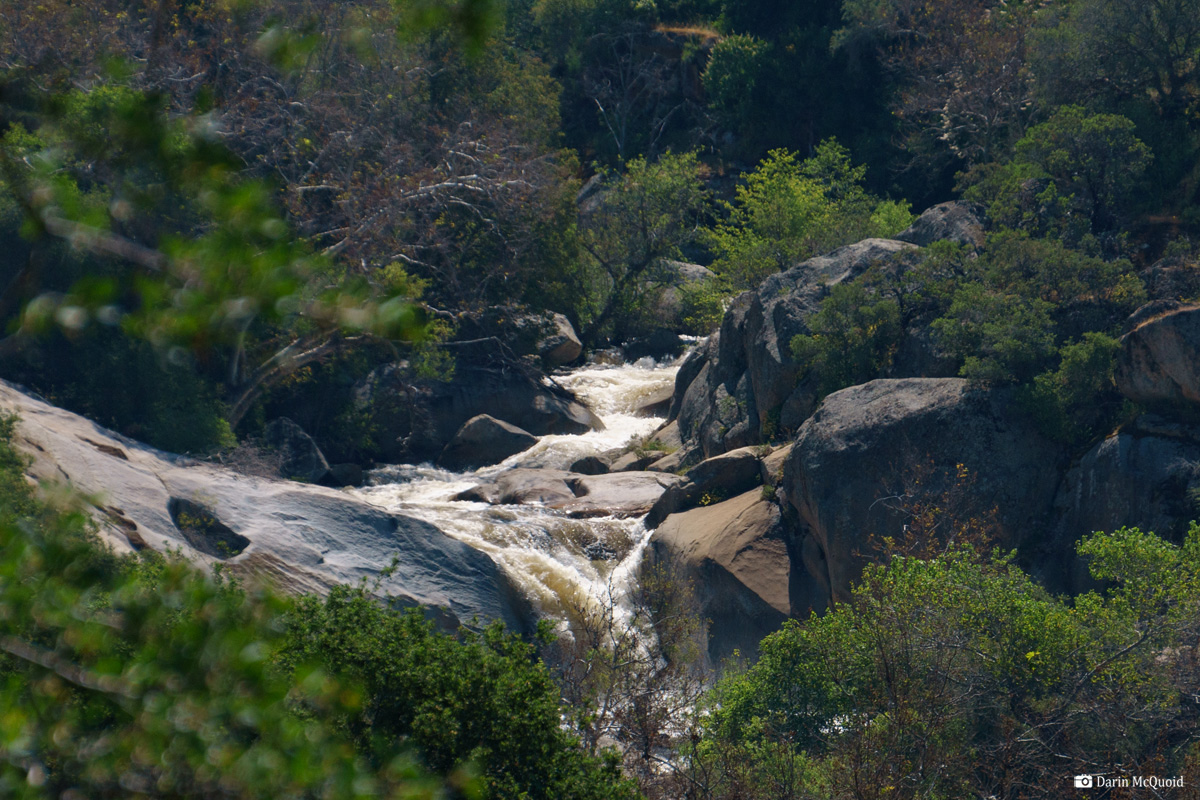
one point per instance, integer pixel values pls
(563, 565)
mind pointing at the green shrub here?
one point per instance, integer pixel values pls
(789, 210)
(854, 336)
(1078, 399)
(959, 676)
(142, 676)
(479, 703)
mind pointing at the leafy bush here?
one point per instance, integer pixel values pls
(123, 676)
(1012, 308)
(479, 703)
(789, 210)
(997, 336)
(959, 676)
(853, 337)
(1074, 164)
(1071, 402)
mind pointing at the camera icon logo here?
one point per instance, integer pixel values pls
(1083, 782)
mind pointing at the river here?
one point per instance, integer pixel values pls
(560, 564)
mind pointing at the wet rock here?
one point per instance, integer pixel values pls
(482, 441)
(617, 494)
(600, 551)
(301, 459)
(657, 404)
(1159, 361)
(529, 486)
(956, 221)
(341, 475)
(659, 345)
(621, 494)
(736, 554)
(304, 538)
(871, 452)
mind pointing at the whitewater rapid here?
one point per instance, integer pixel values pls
(564, 566)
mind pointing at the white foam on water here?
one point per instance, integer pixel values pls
(546, 554)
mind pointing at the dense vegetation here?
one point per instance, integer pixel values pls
(958, 676)
(231, 209)
(140, 676)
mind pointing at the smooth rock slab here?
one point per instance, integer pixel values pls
(618, 494)
(1159, 361)
(303, 538)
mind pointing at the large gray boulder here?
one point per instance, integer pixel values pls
(736, 555)
(482, 441)
(301, 459)
(1146, 476)
(748, 381)
(561, 344)
(714, 479)
(955, 221)
(1159, 361)
(873, 454)
(302, 538)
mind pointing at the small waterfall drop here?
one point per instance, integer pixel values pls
(561, 564)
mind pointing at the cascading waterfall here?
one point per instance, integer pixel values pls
(561, 564)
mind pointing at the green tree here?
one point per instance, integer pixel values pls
(642, 218)
(853, 337)
(476, 703)
(1094, 161)
(997, 336)
(1071, 402)
(731, 74)
(1122, 50)
(789, 210)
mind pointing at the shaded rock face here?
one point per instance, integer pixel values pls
(871, 452)
(746, 381)
(202, 530)
(1159, 361)
(659, 344)
(523, 333)
(482, 441)
(736, 553)
(303, 538)
(302, 460)
(1146, 476)
(956, 221)
(416, 419)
